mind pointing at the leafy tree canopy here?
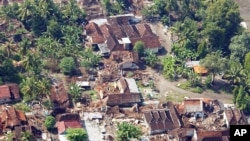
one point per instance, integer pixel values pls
(76, 134)
(128, 131)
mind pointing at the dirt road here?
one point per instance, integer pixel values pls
(166, 88)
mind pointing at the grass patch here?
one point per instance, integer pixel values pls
(93, 94)
(196, 90)
(185, 85)
(174, 97)
(22, 107)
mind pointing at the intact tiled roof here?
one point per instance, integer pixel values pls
(131, 31)
(193, 105)
(149, 42)
(118, 32)
(105, 30)
(237, 115)
(14, 89)
(21, 115)
(4, 92)
(11, 117)
(68, 117)
(113, 44)
(94, 31)
(122, 20)
(123, 99)
(159, 121)
(144, 30)
(62, 126)
(221, 135)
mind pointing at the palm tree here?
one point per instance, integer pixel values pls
(24, 46)
(236, 74)
(26, 9)
(32, 63)
(28, 88)
(44, 87)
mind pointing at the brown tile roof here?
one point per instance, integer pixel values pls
(11, 117)
(113, 44)
(122, 20)
(21, 115)
(144, 30)
(149, 42)
(59, 96)
(118, 32)
(123, 99)
(94, 31)
(4, 92)
(213, 135)
(235, 116)
(105, 29)
(159, 121)
(14, 89)
(193, 105)
(68, 117)
(131, 31)
(62, 126)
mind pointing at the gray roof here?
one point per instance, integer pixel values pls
(132, 85)
(103, 48)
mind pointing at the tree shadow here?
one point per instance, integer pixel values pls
(162, 51)
(220, 86)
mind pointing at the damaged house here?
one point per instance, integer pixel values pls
(117, 34)
(59, 96)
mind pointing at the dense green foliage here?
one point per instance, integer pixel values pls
(49, 123)
(139, 48)
(76, 134)
(75, 91)
(67, 65)
(127, 131)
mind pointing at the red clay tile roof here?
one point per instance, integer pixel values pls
(94, 31)
(62, 126)
(21, 115)
(149, 42)
(4, 92)
(14, 89)
(11, 117)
